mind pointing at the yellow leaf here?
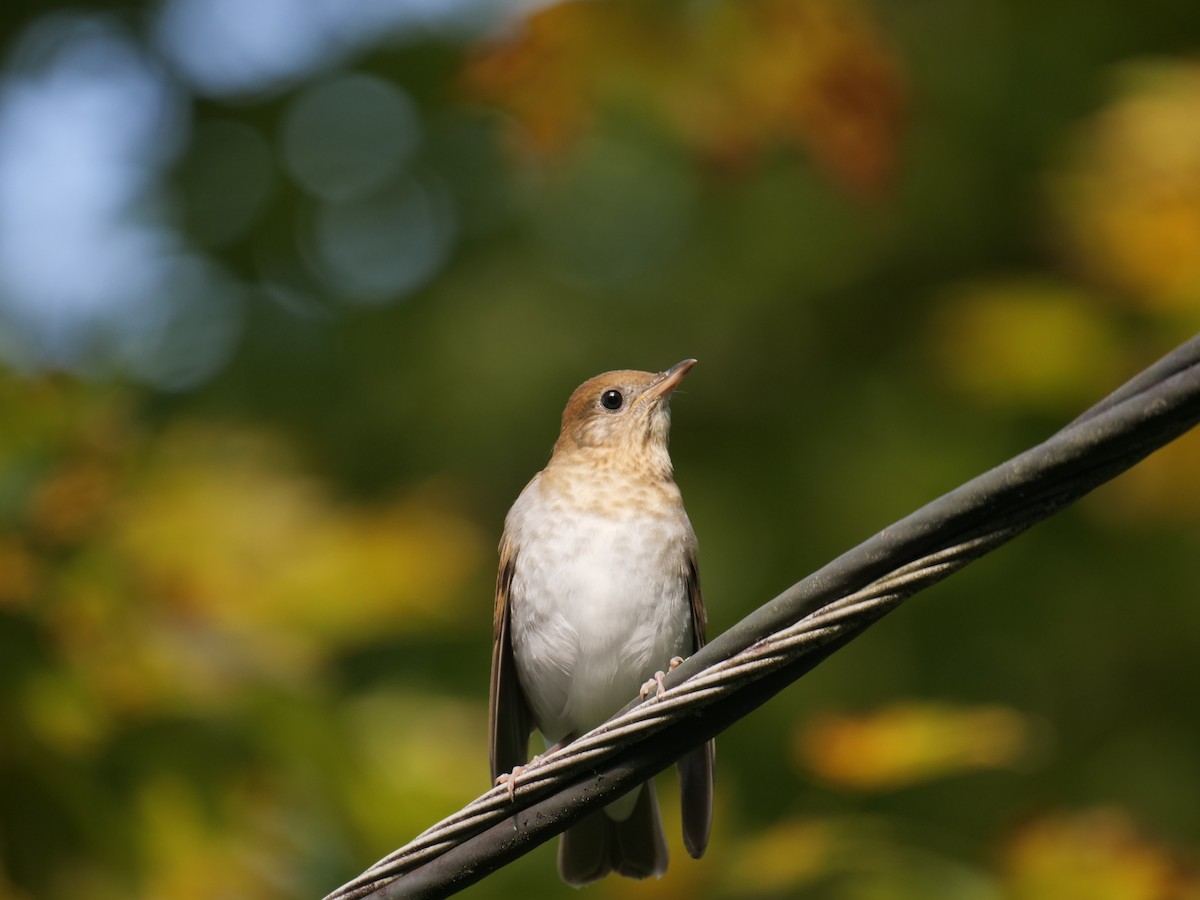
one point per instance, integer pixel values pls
(225, 530)
(786, 855)
(1025, 343)
(1128, 196)
(1096, 855)
(911, 742)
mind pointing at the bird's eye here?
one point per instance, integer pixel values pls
(611, 400)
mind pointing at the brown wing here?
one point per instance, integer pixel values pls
(696, 767)
(509, 720)
(699, 617)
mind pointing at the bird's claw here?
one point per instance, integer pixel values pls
(509, 780)
(654, 684)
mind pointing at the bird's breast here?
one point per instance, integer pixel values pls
(599, 601)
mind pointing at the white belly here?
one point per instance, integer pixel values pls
(598, 605)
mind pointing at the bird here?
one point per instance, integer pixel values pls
(597, 589)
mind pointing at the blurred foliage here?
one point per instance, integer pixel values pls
(1095, 853)
(245, 614)
(1130, 202)
(730, 81)
(923, 741)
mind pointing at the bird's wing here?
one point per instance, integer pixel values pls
(509, 719)
(696, 767)
(699, 617)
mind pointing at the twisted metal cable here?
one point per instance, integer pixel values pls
(782, 640)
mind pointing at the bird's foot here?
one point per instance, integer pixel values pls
(655, 684)
(509, 780)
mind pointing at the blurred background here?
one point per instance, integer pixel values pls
(292, 293)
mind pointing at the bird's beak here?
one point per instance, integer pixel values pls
(667, 381)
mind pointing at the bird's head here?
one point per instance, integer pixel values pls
(622, 419)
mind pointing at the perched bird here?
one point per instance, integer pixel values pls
(597, 592)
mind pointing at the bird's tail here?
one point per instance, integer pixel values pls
(596, 845)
